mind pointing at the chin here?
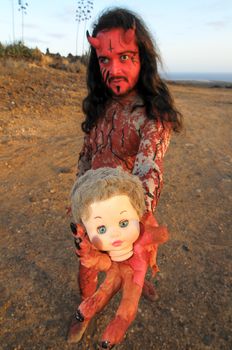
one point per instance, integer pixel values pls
(121, 93)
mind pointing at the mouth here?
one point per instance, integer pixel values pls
(116, 80)
(117, 243)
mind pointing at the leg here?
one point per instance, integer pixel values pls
(76, 330)
(91, 305)
(126, 312)
(149, 291)
(87, 280)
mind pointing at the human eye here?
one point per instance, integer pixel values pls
(101, 229)
(124, 57)
(103, 60)
(124, 223)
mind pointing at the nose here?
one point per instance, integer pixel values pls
(114, 232)
(115, 68)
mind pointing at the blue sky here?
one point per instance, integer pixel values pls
(193, 36)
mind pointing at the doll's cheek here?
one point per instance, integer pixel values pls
(97, 242)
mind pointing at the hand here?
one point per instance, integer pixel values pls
(78, 233)
(89, 256)
(152, 233)
(148, 219)
(92, 258)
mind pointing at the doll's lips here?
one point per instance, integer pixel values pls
(116, 243)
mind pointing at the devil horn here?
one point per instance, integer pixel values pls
(93, 41)
(130, 34)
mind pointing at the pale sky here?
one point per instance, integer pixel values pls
(193, 36)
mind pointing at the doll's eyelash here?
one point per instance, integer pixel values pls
(124, 223)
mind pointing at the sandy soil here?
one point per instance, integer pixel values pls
(40, 126)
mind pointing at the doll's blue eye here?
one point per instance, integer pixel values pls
(123, 223)
(101, 230)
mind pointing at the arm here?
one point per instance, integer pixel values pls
(148, 165)
(90, 257)
(85, 156)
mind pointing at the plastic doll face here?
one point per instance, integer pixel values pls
(119, 61)
(113, 226)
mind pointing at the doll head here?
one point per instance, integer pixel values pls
(110, 203)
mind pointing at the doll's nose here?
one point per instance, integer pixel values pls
(114, 233)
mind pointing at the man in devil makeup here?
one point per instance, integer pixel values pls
(129, 112)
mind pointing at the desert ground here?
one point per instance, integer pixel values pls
(40, 111)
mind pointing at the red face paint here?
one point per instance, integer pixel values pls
(118, 59)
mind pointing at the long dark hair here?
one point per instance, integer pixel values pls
(152, 89)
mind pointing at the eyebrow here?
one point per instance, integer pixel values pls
(124, 211)
(128, 51)
(97, 217)
(120, 53)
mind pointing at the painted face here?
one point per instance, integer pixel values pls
(113, 226)
(119, 61)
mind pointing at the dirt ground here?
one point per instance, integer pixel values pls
(40, 113)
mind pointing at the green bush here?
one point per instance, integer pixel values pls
(36, 54)
(2, 50)
(19, 50)
(84, 59)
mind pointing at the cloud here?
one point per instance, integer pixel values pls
(67, 15)
(31, 26)
(217, 24)
(35, 40)
(57, 35)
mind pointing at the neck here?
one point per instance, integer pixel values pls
(120, 255)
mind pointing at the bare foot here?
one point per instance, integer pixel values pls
(149, 291)
(76, 330)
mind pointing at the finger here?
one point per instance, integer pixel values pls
(73, 228)
(77, 241)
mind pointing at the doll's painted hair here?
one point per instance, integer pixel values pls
(104, 183)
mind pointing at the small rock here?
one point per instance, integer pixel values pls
(185, 248)
(32, 199)
(207, 339)
(4, 139)
(63, 170)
